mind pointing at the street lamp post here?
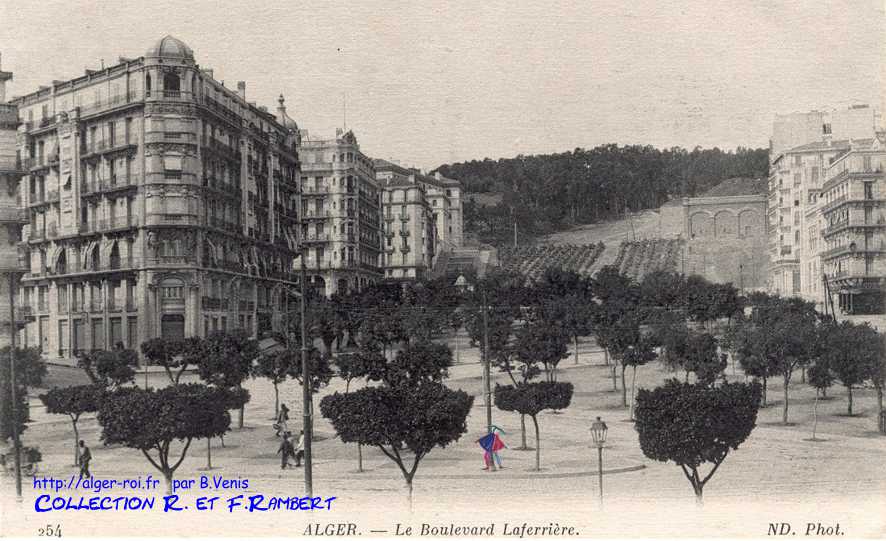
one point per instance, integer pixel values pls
(598, 433)
(462, 284)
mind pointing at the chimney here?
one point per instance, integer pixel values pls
(241, 89)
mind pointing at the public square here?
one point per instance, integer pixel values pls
(775, 474)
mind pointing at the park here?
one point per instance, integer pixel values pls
(562, 353)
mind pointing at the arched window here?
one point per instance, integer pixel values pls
(148, 84)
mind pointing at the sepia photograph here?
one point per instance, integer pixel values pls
(454, 270)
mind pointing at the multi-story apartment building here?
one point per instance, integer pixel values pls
(854, 213)
(429, 209)
(795, 180)
(341, 205)
(11, 216)
(802, 147)
(410, 225)
(159, 203)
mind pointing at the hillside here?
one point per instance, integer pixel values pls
(546, 194)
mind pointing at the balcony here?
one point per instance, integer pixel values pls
(786, 250)
(24, 313)
(43, 307)
(12, 215)
(246, 306)
(316, 214)
(96, 306)
(212, 303)
(110, 104)
(111, 184)
(223, 149)
(220, 110)
(404, 217)
(837, 227)
(316, 237)
(223, 225)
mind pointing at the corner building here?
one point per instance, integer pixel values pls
(159, 203)
(341, 205)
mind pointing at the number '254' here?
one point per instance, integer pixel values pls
(50, 531)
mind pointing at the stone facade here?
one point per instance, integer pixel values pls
(11, 218)
(429, 210)
(159, 203)
(342, 210)
(853, 209)
(726, 239)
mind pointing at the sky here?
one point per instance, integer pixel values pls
(431, 83)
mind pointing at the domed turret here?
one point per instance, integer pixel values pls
(283, 118)
(170, 47)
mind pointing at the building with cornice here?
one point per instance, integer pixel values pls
(159, 203)
(341, 206)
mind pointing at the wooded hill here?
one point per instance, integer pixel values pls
(548, 193)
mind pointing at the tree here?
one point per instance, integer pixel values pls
(819, 376)
(109, 369)
(532, 398)
(29, 370)
(419, 362)
(150, 420)
(168, 354)
(366, 363)
(877, 374)
(852, 351)
(703, 359)
(73, 402)
(276, 366)
(227, 361)
(325, 322)
(543, 341)
(693, 424)
(414, 419)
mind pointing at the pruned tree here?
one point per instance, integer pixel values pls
(24, 357)
(277, 367)
(151, 420)
(168, 354)
(542, 341)
(531, 399)
(73, 402)
(109, 369)
(852, 351)
(820, 377)
(405, 422)
(694, 424)
(227, 361)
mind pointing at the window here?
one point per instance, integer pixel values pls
(826, 129)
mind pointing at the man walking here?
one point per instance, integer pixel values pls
(300, 449)
(85, 457)
(286, 450)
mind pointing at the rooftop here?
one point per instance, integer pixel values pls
(170, 47)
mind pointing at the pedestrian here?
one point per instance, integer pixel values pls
(285, 451)
(486, 442)
(497, 445)
(83, 461)
(282, 418)
(300, 449)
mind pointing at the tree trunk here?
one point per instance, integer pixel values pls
(242, 409)
(276, 402)
(849, 409)
(802, 374)
(76, 444)
(880, 410)
(409, 492)
(699, 489)
(815, 415)
(633, 387)
(614, 382)
(576, 349)
(784, 415)
(606, 356)
(167, 475)
(624, 388)
(537, 444)
(208, 453)
(824, 392)
(359, 458)
(523, 433)
(765, 384)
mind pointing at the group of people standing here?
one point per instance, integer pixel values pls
(287, 448)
